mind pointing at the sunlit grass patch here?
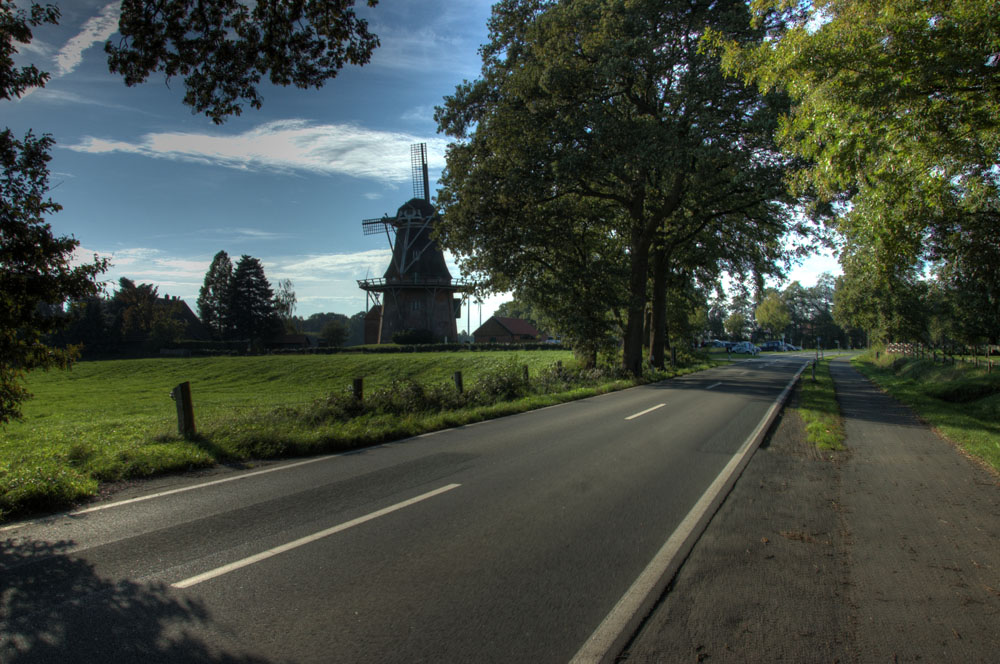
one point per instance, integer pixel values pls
(819, 409)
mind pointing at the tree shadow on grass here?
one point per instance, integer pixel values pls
(54, 607)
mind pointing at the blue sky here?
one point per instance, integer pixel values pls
(160, 190)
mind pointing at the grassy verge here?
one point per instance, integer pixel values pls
(961, 401)
(819, 409)
(113, 420)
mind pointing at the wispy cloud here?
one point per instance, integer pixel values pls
(285, 146)
(321, 267)
(64, 97)
(237, 234)
(95, 30)
(418, 114)
(37, 47)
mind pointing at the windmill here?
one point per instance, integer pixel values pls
(416, 293)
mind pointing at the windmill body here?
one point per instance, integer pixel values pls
(416, 293)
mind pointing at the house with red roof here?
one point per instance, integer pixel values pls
(500, 330)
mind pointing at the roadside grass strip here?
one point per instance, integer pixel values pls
(819, 409)
(961, 402)
(114, 420)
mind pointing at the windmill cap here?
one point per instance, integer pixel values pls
(415, 207)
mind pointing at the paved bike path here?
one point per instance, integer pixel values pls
(889, 552)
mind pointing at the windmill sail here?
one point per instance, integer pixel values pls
(418, 167)
(376, 226)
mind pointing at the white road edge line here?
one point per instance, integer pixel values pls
(713, 385)
(648, 410)
(607, 641)
(270, 553)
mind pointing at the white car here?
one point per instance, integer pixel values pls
(744, 348)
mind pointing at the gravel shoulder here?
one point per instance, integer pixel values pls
(889, 552)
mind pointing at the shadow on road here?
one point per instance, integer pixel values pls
(753, 378)
(54, 607)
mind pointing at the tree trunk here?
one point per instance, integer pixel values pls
(638, 278)
(658, 325)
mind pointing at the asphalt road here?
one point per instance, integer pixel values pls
(510, 540)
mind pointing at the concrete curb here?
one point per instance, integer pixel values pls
(623, 622)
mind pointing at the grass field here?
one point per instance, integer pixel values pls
(112, 420)
(961, 401)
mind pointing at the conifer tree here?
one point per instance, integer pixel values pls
(214, 296)
(251, 302)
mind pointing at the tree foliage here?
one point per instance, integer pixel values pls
(284, 303)
(15, 27)
(214, 296)
(36, 269)
(772, 314)
(223, 48)
(736, 325)
(136, 308)
(335, 332)
(251, 302)
(887, 303)
(896, 109)
(596, 129)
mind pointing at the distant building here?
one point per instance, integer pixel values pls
(500, 330)
(179, 310)
(289, 341)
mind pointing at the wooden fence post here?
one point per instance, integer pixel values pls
(525, 374)
(185, 409)
(458, 381)
(359, 389)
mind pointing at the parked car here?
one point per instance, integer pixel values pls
(744, 348)
(792, 347)
(773, 346)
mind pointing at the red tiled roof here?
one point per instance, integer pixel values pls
(517, 326)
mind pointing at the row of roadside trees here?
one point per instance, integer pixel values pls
(606, 166)
(614, 160)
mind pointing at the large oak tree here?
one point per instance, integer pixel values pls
(896, 108)
(609, 107)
